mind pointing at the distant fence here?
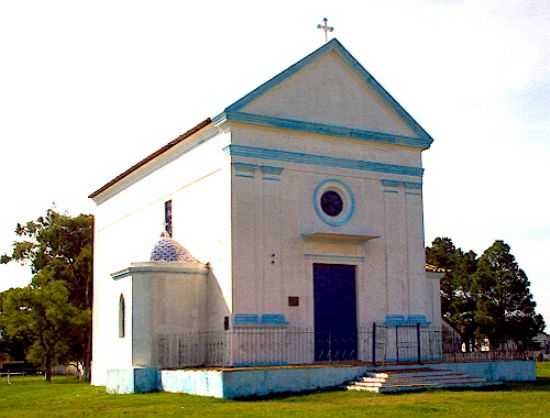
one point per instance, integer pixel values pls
(194, 349)
(249, 346)
(477, 356)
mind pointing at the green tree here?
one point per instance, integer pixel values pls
(457, 299)
(44, 316)
(58, 247)
(505, 309)
(442, 254)
(13, 346)
(486, 297)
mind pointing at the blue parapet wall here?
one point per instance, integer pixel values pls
(132, 380)
(194, 382)
(255, 320)
(273, 319)
(504, 371)
(245, 319)
(120, 381)
(398, 320)
(255, 382)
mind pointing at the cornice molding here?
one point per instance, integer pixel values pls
(320, 160)
(321, 129)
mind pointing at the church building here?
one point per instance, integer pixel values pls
(280, 231)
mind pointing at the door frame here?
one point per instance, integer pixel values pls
(358, 262)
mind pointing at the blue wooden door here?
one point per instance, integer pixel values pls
(335, 316)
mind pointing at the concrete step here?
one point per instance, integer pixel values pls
(434, 379)
(367, 384)
(413, 374)
(363, 388)
(389, 389)
(412, 379)
(372, 379)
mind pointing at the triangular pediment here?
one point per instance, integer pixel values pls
(330, 88)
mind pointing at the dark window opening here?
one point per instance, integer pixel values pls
(121, 317)
(168, 217)
(332, 203)
(293, 301)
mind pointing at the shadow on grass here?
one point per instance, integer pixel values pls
(292, 396)
(542, 383)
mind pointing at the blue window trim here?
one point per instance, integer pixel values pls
(334, 221)
(322, 129)
(320, 160)
(335, 45)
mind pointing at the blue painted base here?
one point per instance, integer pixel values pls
(504, 371)
(242, 383)
(133, 380)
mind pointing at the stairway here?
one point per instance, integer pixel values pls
(414, 379)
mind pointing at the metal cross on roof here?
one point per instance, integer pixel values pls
(326, 28)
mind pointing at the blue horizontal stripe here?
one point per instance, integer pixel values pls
(399, 183)
(391, 183)
(321, 160)
(324, 129)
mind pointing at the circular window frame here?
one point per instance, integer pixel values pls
(346, 195)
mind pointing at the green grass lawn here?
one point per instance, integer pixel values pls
(32, 397)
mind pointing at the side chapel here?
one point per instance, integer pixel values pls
(295, 211)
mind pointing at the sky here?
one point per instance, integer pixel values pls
(89, 88)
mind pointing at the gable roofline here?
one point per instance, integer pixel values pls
(151, 157)
(233, 112)
(333, 44)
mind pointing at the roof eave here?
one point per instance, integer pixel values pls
(150, 158)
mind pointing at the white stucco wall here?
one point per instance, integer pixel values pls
(269, 217)
(130, 218)
(433, 297)
(170, 302)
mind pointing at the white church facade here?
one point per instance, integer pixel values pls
(294, 222)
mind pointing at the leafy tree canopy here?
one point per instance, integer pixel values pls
(58, 249)
(44, 316)
(486, 297)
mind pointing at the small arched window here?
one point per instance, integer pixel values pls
(121, 317)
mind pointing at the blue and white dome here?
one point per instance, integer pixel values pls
(170, 251)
